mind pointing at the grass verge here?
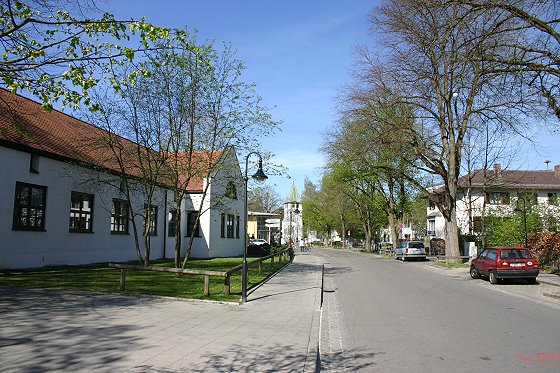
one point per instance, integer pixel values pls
(100, 278)
(451, 265)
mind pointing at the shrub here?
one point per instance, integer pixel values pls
(546, 247)
(258, 250)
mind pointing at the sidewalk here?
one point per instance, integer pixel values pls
(275, 331)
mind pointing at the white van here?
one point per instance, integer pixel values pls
(411, 249)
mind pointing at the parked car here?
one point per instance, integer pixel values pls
(411, 250)
(257, 242)
(498, 263)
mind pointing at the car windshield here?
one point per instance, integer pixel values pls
(515, 254)
(416, 245)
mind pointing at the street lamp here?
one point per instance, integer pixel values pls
(259, 176)
(518, 211)
(296, 211)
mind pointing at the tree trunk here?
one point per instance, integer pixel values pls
(393, 229)
(452, 237)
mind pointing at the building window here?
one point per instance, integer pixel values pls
(34, 164)
(223, 226)
(151, 212)
(431, 227)
(230, 225)
(29, 207)
(81, 212)
(119, 217)
(193, 227)
(497, 198)
(552, 198)
(237, 221)
(172, 223)
(231, 190)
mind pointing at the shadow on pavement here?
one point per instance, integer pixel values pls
(39, 323)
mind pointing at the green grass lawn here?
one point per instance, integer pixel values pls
(100, 278)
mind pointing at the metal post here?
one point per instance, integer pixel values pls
(525, 220)
(259, 176)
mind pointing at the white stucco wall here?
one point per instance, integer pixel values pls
(57, 246)
(477, 203)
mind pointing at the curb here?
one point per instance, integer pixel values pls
(313, 358)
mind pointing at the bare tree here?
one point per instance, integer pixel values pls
(432, 64)
(264, 199)
(533, 44)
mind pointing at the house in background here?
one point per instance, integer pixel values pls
(62, 200)
(264, 225)
(499, 192)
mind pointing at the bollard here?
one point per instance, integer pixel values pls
(123, 279)
(206, 285)
(227, 284)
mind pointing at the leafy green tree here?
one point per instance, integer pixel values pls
(56, 51)
(317, 213)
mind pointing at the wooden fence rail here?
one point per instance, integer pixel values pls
(207, 274)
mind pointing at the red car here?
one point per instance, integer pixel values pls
(497, 263)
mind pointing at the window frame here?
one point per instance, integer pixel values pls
(237, 226)
(192, 215)
(126, 216)
(153, 222)
(231, 190)
(19, 206)
(81, 212)
(172, 223)
(498, 198)
(230, 226)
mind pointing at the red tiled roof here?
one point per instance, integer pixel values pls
(24, 125)
(498, 179)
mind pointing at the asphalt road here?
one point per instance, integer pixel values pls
(393, 316)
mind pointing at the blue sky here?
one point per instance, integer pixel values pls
(298, 53)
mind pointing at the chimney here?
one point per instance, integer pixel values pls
(557, 170)
(497, 168)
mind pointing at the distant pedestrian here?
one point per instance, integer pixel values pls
(301, 245)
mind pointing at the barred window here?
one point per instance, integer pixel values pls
(151, 212)
(119, 217)
(29, 207)
(81, 212)
(192, 224)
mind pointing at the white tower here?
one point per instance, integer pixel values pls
(292, 223)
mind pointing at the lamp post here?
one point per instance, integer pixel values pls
(517, 211)
(296, 211)
(260, 177)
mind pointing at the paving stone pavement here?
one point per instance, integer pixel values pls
(277, 330)
(334, 344)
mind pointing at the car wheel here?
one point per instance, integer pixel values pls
(474, 273)
(493, 278)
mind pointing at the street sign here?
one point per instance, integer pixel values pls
(272, 221)
(268, 225)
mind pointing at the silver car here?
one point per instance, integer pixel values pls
(411, 250)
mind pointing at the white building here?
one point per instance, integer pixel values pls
(292, 222)
(62, 200)
(499, 192)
